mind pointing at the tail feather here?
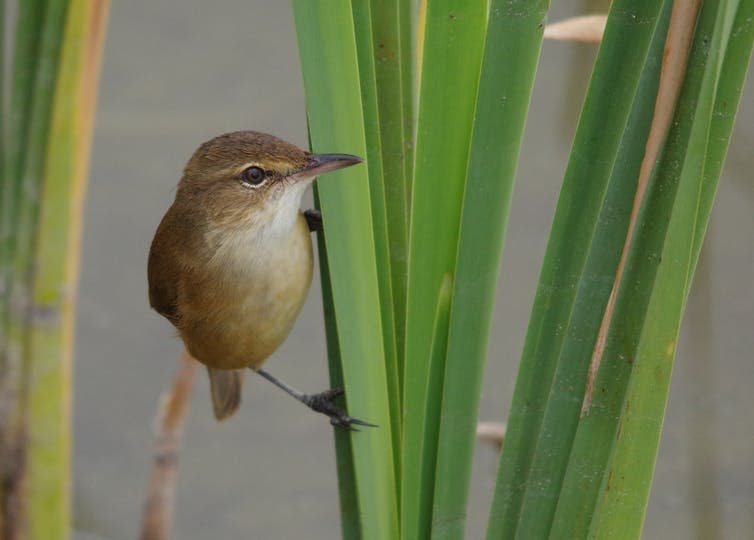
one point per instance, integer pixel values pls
(226, 385)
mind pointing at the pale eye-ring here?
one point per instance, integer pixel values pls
(254, 176)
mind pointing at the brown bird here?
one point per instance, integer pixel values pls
(231, 261)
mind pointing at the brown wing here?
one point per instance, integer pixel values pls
(163, 288)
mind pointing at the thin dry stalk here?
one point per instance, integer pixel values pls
(672, 73)
(584, 29)
(158, 509)
(491, 432)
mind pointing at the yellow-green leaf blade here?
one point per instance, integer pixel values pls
(327, 46)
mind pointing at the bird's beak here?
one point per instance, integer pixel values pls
(322, 163)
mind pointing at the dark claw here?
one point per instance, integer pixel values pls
(313, 219)
(322, 403)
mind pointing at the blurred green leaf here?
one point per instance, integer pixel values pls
(47, 140)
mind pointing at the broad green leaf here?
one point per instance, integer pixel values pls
(503, 100)
(634, 451)
(588, 462)
(433, 407)
(27, 38)
(56, 254)
(452, 49)
(34, 72)
(389, 59)
(328, 50)
(585, 241)
(380, 219)
(348, 494)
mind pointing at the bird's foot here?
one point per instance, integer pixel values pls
(313, 219)
(322, 403)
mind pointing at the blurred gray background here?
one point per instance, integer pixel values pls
(179, 72)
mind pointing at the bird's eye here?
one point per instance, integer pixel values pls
(254, 176)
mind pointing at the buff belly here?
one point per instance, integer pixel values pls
(268, 289)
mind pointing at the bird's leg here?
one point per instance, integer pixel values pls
(321, 403)
(313, 219)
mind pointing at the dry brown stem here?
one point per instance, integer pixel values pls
(158, 509)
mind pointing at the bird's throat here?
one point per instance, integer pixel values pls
(271, 235)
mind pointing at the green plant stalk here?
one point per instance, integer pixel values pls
(452, 49)
(733, 75)
(28, 34)
(388, 65)
(328, 50)
(3, 122)
(670, 187)
(511, 53)
(28, 157)
(24, 52)
(638, 441)
(407, 38)
(633, 456)
(3, 181)
(366, 64)
(57, 253)
(616, 79)
(32, 122)
(435, 382)
(28, 197)
(562, 415)
(347, 492)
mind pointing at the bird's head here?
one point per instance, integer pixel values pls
(250, 177)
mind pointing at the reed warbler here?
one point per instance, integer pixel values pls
(231, 261)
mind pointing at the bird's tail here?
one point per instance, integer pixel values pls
(226, 385)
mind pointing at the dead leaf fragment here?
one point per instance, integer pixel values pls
(584, 29)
